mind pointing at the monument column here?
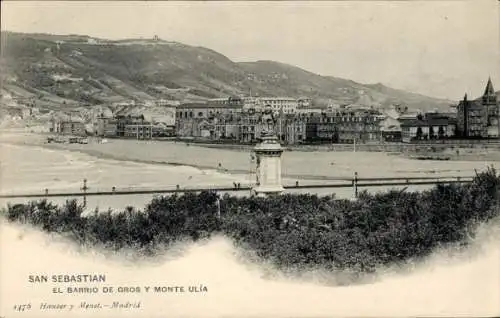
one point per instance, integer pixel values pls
(268, 153)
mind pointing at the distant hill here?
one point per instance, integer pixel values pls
(65, 71)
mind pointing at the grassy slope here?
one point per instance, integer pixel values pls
(122, 70)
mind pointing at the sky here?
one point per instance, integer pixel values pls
(436, 48)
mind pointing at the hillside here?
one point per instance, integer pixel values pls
(62, 72)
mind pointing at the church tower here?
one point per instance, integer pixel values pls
(489, 102)
(489, 96)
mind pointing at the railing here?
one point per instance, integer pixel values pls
(354, 183)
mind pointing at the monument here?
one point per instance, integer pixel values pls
(268, 158)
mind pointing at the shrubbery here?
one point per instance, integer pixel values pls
(290, 230)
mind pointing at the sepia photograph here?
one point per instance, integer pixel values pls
(249, 159)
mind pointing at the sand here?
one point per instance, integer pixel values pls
(300, 165)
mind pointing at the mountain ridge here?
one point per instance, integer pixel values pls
(78, 70)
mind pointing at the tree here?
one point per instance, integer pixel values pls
(294, 231)
(419, 133)
(432, 133)
(441, 132)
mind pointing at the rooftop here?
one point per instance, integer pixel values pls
(208, 105)
(489, 90)
(277, 98)
(425, 122)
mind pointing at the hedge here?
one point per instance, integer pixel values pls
(290, 230)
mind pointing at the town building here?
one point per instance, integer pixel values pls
(294, 129)
(139, 130)
(122, 121)
(188, 127)
(163, 130)
(479, 118)
(206, 110)
(250, 128)
(287, 105)
(344, 126)
(310, 110)
(304, 102)
(427, 127)
(227, 101)
(190, 117)
(105, 125)
(390, 130)
(68, 125)
(226, 127)
(250, 104)
(414, 129)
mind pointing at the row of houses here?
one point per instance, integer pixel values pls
(474, 119)
(212, 107)
(327, 126)
(428, 127)
(239, 119)
(132, 126)
(298, 122)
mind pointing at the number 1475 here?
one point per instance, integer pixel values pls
(22, 307)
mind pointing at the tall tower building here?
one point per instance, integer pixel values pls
(479, 118)
(489, 96)
(491, 108)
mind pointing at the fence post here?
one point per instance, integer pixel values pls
(217, 202)
(46, 191)
(355, 184)
(84, 188)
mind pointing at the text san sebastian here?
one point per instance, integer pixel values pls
(65, 278)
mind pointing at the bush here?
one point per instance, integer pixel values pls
(291, 230)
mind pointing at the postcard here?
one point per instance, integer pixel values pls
(249, 159)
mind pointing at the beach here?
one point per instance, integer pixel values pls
(32, 169)
(29, 165)
(296, 164)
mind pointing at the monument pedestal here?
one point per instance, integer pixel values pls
(268, 173)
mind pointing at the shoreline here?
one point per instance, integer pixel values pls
(418, 152)
(335, 166)
(106, 156)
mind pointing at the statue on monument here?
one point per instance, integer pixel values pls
(269, 120)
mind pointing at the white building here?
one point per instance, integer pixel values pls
(304, 102)
(310, 110)
(287, 105)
